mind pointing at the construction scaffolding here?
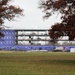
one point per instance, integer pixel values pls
(27, 40)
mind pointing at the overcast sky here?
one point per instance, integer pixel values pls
(33, 16)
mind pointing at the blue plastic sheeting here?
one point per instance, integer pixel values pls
(6, 43)
(26, 48)
(8, 32)
(8, 39)
(67, 48)
(21, 47)
(5, 48)
(44, 47)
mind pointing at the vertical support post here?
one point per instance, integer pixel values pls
(16, 37)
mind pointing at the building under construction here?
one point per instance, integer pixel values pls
(26, 40)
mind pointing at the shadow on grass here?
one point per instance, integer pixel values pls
(57, 62)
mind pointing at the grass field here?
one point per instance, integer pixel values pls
(37, 63)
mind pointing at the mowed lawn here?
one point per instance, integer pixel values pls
(37, 63)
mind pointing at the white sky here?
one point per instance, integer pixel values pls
(33, 16)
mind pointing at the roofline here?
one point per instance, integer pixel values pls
(27, 29)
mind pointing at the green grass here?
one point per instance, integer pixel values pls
(37, 63)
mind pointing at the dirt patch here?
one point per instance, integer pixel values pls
(6, 51)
